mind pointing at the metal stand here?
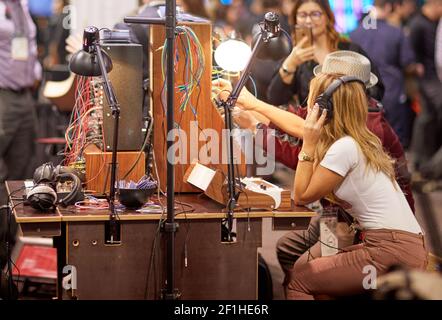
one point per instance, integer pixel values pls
(269, 30)
(115, 107)
(11, 293)
(170, 227)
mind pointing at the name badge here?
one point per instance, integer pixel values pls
(20, 48)
(2, 11)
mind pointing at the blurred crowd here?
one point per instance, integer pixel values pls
(400, 37)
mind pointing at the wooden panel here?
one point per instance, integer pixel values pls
(206, 113)
(214, 270)
(98, 167)
(110, 272)
(48, 229)
(282, 224)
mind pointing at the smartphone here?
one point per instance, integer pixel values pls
(303, 32)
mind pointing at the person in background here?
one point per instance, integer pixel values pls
(58, 33)
(287, 7)
(427, 141)
(439, 50)
(276, 6)
(237, 17)
(402, 13)
(390, 50)
(296, 71)
(19, 74)
(196, 8)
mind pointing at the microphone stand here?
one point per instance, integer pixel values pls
(170, 227)
(263, 37)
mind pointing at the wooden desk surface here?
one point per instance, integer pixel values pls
(202, 208)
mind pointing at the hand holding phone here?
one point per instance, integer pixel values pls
(301, 33)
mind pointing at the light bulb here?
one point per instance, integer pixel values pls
(232, 55)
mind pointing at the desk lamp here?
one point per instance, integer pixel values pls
(92, 61)
(268, 34)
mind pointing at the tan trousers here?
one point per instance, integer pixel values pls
(344, 274)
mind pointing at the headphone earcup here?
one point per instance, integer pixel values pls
(44, 173)
(42, 197)
(326, 104)
(75, 194)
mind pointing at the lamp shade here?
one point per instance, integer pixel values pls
(86, 64)
(232, 55)
(276, 48)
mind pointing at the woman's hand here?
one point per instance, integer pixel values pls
(244, 119)
(313, 126)
(299, 55)
(222, 88)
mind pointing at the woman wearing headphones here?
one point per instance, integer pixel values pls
(296, 71)
(342, 158)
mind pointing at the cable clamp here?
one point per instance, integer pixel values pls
(170, 227)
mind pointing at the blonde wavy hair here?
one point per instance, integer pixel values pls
(350, 119)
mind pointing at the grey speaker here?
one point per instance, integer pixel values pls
(127, 79)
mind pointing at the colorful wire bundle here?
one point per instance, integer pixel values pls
(83, 127)
(194, 64)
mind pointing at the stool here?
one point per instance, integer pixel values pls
(51, 145)
(36, 272)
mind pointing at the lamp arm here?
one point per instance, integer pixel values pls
(233, 97)
(108, 88)
(145, 20)
(115, 106)
(228, 107)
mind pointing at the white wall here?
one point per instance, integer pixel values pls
(100, 13)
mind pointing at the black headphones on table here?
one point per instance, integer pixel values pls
(325, 100)
(43, 196)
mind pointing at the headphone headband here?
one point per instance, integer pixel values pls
(325, 99)
(337, 83)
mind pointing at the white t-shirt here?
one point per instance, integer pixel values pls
(376, 202)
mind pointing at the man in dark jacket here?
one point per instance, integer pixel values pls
(427, 142)
(389, 48)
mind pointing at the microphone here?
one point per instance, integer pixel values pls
(271, 25)
(90, 36)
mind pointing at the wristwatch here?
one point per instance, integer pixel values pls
(286, 71)
(304, 157)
